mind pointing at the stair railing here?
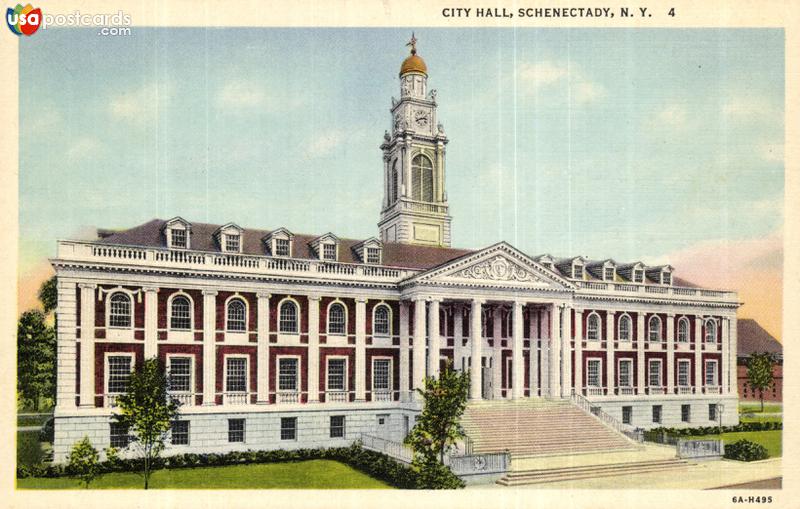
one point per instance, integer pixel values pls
(607, 419)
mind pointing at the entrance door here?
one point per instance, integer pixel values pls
(486, 376)
(509, 376)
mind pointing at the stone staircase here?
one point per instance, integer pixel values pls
(538, 427)
(541, 476)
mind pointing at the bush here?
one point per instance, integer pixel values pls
(656, 434)
(84, 461)
(745, 450)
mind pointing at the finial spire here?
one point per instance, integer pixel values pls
(413, 44)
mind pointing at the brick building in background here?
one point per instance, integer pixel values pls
(754, 339)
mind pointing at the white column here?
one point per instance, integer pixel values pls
(262, 350)
(554, 354)
(518, 363)
(579, 351)
(361, 349)
(698, 354)
(533, 375)
(87, 344)
(150, 322)
(476, 342)
(640, 372)
(611, 365)
(458, 335)
(733, 381)
(209, 347)
(566, 353)
(544, 345)
(313, 348)
(670, 353)
(497, 354)
(67, 365)
(434, 338)
(724, 383)
(404, 351)
(418, 377)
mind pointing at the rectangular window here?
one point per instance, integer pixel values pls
(337, 370)
(235, 374)
(666, 278)
(236, 430)
(654, 375)
(288, 428)
(119, 373)
(712, 412)
(625, 369)
(577, 272)
(593, 373)
(686, 413)
(381, 374)
(178, 238)
(180, 433)
(638, 276)
(232, 243)
(384, 418)
(711, 373)
(684, 368)
(373, 255)
(118, 435)
(287, 374)
(337, 426)
(281, 247)
(627, 412)
(608, 273)
(180, 374)
(657, 413)
(329, 252)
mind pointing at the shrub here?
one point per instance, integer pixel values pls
(84, 461)
(745, 450)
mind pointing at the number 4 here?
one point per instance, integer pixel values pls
(672, 12)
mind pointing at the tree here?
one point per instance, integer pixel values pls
(147, 412)
(439, 428)
(84, 461)
(759, 373)
(48, 295)
(36, 354)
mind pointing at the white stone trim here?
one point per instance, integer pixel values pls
(328, 318)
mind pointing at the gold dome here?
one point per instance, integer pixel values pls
(413, 63)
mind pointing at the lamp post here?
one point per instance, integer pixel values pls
(720, 410)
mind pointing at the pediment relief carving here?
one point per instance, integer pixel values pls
(497, 268)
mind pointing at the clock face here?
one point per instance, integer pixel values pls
(421, 117)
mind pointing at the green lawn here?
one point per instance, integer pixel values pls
(312, 474)
(770, 439)
(29, 450)
(761, 418)
(755, 407)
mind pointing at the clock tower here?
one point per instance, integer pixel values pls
(415, 209)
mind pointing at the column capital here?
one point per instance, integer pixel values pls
(579, 311)
(150, 289)
(316, 297)
(87, 286)
(263, 295)
(210, 293)
(361, 300)
(438, 300)
(671, 315)
(478, 301)
(611, 312)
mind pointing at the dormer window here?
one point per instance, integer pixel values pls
(279, 242)
(638, 276)
(178, 238)
(666, 278)
(282, 247)
(176, 233)
(608, 274)
(232, 243)
(329, 252)
(577, 272)
(373, 255)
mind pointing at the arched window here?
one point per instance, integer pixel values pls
(288, 318)
(593, 327)
(711, 331)
(336, 319)
(625, 326)
(180, 314)
(237, 316)
(119, 310)
(380, 322)
(654, 328)
(393, 184)
(422, 179)
(683, 330)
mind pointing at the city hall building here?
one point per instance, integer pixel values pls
(277, 339)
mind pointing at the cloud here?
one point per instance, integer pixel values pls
(749, 108)
(46, 120)
(324, 144)
(241, 94)
(673, 115)
(83, 148)
(752, 267)
(547, 74)
(138, 106)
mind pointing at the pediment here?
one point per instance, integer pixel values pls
(500, 264)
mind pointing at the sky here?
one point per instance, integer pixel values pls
(659, 145)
